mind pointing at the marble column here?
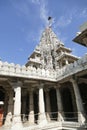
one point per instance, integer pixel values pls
(59, 105)
(8, 120)
(81, 117)
(48, 105)
(6, 102)
(73, 102)
(24, 93)
(17, 124)
(42, 117)
(31, 107)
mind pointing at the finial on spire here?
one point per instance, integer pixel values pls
(50, 21)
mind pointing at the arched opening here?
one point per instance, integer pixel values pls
(53, 104)
(67, 104)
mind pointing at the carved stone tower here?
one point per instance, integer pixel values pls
(50, 53)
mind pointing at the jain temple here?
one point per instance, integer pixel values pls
(49, 92)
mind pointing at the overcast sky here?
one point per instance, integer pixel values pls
(22, 22)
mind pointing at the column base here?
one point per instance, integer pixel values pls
(17, 124)
(60, 117)
(42, 119)
(8, 120)
(81, 118)
(31, 119)
(48, 117)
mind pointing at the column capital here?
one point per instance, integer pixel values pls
(47, 90)
(24, 92)
(57, 86)
(72, 80)
(30, 89)
(16, 84)
(41, 85)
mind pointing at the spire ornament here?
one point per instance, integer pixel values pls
(49, 21)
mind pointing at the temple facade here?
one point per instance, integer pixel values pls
(48, 92)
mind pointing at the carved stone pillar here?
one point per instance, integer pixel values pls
(42, 117)
(8, 120)
(31, 107)
(79, 104)
(17, 106)
(59, 105)
(6, 102)
(73, 102)
(48, 107)
(24, 93)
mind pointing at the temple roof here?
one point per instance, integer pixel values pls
(81, 38)
(64, 48)
(67, 56)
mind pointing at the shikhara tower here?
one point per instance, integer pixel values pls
(48, 92)
(50, 53)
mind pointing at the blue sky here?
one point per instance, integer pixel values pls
(22, 22)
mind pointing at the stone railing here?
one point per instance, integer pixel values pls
(68, 70)
(11, 69)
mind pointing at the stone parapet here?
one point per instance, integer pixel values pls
(11, 69)
(73, 68)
